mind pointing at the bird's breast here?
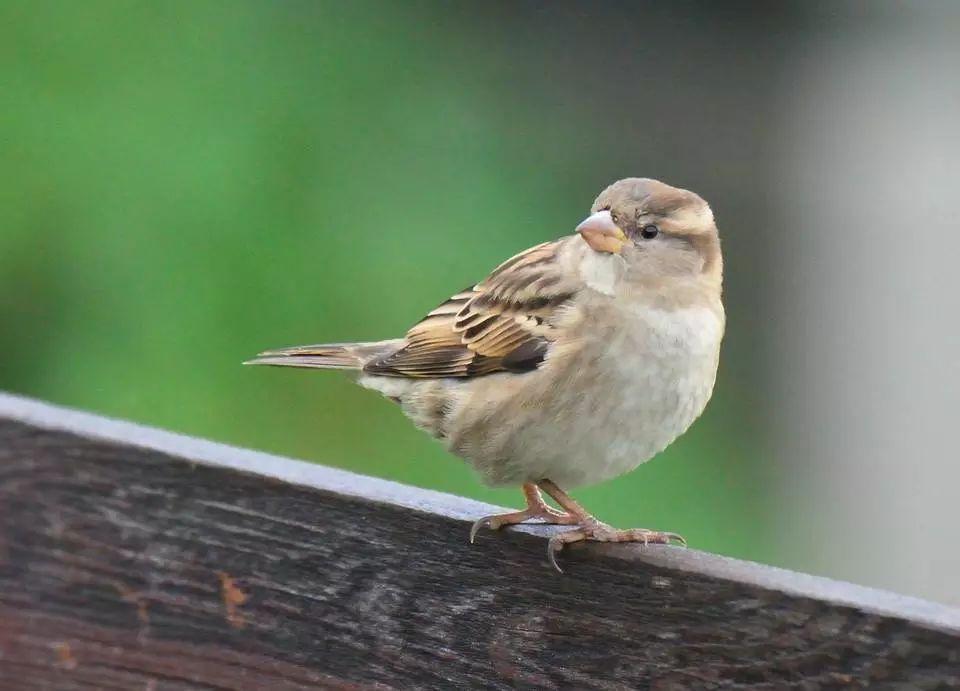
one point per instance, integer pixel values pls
(631, 389)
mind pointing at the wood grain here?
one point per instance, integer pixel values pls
(136, 559)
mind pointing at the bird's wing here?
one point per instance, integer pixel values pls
(503, 324)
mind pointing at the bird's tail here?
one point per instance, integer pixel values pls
(349, 356)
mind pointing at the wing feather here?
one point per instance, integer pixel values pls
(504, 323)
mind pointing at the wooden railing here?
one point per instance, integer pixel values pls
(132, 558)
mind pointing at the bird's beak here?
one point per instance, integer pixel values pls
(602, 234)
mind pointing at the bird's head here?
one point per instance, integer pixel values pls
(659, 230)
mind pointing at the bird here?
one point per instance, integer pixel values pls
(571, 363)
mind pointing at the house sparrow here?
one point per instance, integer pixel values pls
(572, 363)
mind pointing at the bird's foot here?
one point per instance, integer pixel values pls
(546, 515)
(536, 508)
(595, 531)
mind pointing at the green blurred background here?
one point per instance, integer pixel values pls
(186, 183)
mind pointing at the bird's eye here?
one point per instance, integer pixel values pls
(649, 232)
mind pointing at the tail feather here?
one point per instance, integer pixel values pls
(348, 356)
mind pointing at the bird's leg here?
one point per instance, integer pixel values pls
(536, 508)
(592, 529)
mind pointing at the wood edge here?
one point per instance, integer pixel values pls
(53, 417)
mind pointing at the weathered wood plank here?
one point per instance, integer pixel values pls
(134, 558)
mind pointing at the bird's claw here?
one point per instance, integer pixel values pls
(674, 537)
(553, 548)
(477, 525)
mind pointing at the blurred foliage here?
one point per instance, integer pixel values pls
(186, 183)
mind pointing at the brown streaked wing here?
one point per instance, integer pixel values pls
(503, 324)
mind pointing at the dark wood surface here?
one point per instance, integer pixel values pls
(137, 559)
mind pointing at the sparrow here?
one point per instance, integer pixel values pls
(573, 362)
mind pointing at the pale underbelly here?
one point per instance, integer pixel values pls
(607, 442)
(587, 431)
